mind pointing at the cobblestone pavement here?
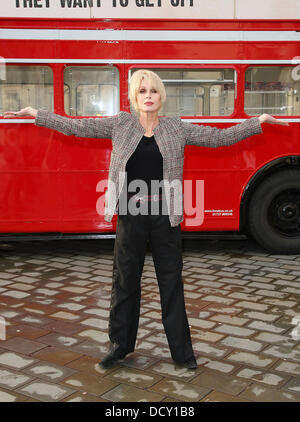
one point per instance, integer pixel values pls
(54, 306)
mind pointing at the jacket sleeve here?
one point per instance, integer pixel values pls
(207, 136)
(85, 128)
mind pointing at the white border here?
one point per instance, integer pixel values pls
(146, 35)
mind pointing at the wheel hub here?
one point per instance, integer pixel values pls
(284, 213)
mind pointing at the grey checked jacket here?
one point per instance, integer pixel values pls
(171, 135)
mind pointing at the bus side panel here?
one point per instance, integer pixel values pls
(30, 185)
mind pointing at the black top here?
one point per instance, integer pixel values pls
(146, 163)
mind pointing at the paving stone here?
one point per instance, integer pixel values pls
(75, 289)
(239, 295)
(228, 319)
(158, 338)
(161, 351)
(180, 390)
(219, 308)
(283, 352)
(233, 281)
(231, 329)
(56, 355)
(38, 308)
(252, 306)
(173, 370)
(128, 393)
(71, 306)
(83, 397)
(12, 379)
(265, 286)
(264, 394)
(65, 315)
(138, 361)
(90, 383)
(45, 391)
(63, 327)
(215, 396)
(8, 314)
(15, 361)
(272, 294)
(91, 348)
(15, 294)
(260, 325)
(49, 371)
(34, 320)
(22, 345)
(273, 338)
(21, 286)
(216, 365)
(140, 379)
(202, 323)
(59, 340)
(262, 377)
(97, 311)
(219, 299)
(260, 316)
(294, 386)
(289, 367)
(241, 343)
(53, 285)
(261, 361)
(220, 383)
(95, 322)
(47, 292)
(9, 396)
(96, 335)
(205, 335)
(89, 364)
(208, 349)
(280, 302)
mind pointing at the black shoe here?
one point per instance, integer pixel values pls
(112, 359)
(191, 363)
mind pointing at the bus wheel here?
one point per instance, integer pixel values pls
(274, 212)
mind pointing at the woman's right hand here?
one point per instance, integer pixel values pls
(27, 111)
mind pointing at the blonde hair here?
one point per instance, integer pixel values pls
(135, 82)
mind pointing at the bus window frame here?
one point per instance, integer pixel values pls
(27, 64)
(243, 76)
(106, 65)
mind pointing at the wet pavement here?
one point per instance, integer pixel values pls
(241, 303)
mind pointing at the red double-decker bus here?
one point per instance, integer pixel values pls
(216, 72)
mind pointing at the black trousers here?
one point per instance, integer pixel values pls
(132, 234)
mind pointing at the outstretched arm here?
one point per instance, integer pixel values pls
(213, 137)
(85, 128)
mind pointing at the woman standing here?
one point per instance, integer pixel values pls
(147, 148)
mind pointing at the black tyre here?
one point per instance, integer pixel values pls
(274, 212)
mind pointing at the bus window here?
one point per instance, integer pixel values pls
(198, 92)
(272, 90)
(26, 85)
(91, 91)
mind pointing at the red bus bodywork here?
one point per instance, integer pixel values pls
(48, 180)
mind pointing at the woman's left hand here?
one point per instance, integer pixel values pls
(266, 118)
